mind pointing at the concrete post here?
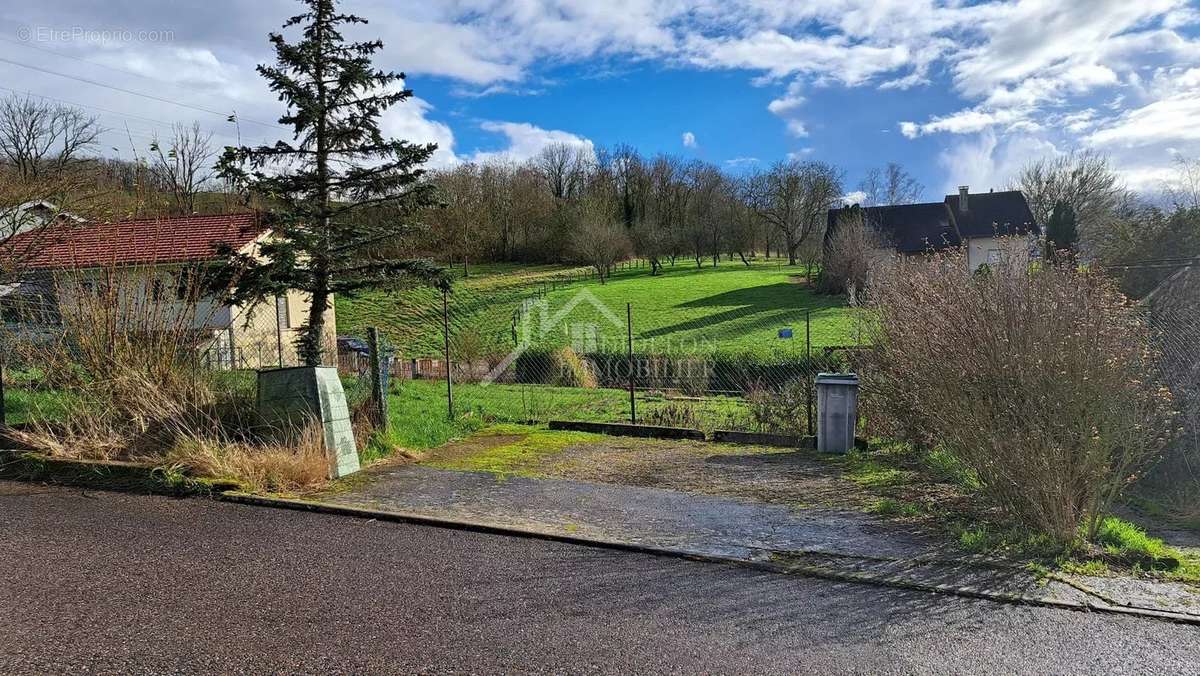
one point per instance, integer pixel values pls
(291, 399)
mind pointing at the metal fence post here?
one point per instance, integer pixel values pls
(808, 389)
(446, 342)
(3, 398)
(378, 378)
(280, 317)
(632, 397)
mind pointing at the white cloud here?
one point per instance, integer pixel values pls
(1167, 120)
(526, 140)
(855, 197)
(830, 58)
(1021, 68)
(739, 162)
(987, 161)
(788, 107)
(1034, 38)
(963, 122)
(689, 139)
(410, 121)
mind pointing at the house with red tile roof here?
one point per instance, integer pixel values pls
(165, 255)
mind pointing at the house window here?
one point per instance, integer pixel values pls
(156, 290)
(183, 283)
(283, 312)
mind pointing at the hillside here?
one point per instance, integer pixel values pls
(730, 308)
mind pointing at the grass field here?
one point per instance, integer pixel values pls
(420, 416)
(731, 307)
(23, 405)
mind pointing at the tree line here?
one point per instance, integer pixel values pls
(572, 204)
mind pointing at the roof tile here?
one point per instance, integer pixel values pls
(137, 242)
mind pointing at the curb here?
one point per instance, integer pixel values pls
(112, 475)
(819, 572)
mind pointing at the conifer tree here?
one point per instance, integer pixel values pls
(1061, 230)
(340, 192)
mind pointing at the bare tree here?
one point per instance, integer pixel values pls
(890, 185)
(853, 250)
(631, 179)
(185, 166)
(670, 195)
(463, 216)
(38, 137)
(1184, 191)
(793, 197)
(600, 241)
(564, 167)
(704, 225)
(1086, 182)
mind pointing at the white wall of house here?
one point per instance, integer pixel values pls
(149, 295)
(992, 250)
(264, 332)
(259, 335)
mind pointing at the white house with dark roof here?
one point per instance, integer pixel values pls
(977, 222)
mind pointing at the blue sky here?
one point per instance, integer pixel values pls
(956, 91)
(652, 108)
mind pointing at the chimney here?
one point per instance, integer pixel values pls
(962, 197)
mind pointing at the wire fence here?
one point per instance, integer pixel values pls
(570, 356)
(1173, 310)
(59, 339)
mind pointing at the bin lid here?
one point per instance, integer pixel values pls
(837, 379)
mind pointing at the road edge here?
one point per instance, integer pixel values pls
(819, 572)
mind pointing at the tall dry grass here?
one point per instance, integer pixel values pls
(1041, 379)
(130, 349)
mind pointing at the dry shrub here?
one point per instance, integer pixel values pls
(1041, 380)
(122, 343)
(573, 370)
(853, 252)
(300, 466)
(673, 414)
(780, 410)
(128, 345)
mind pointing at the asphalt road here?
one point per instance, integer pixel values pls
(104, 582)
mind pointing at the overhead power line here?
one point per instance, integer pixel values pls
(131, 92)
(165, 131)
(105, 66)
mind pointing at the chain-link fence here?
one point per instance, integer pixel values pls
(563, 354)
(1173, 309)
(65, 338)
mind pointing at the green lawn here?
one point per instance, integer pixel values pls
(25, 405)
(420, 416)
(484, 303)
(731, 307)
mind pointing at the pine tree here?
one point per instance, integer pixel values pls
(340, 189)
(1061, 230)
